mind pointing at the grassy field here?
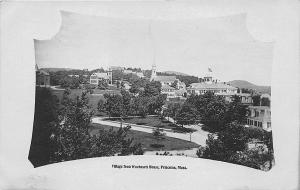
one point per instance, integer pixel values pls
(146, 139)
(93, 98)
(154, 121)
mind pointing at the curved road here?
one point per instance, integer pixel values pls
(199, 136)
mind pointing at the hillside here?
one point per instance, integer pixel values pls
(175, 73)
(248, 85)
(56, 69)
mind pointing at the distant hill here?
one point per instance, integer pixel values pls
(175, 73)
(248, 85)
(56, 69)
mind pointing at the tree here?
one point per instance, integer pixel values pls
(230, 145)
(72, 139)
(265, 101)
(152, 89)
(174, 84)
(45, 117)
(101, 105)
(236, 111)
(201, 102)
(118, 83)
(187, 115)
(117, 75)
(137, 84)
(172, 109)
(102, 84)
(134, 88)
(223, 145)
(89, 88)
(214, 115)
(255, 158)
(141, 105)
(256, 100)
(126, 99)
(114, 105)
(155, 103)
(158, 135)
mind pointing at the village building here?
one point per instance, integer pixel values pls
(245, 98)
(168, 90)
(201, 88)
(182, 93)
(210, 84)
(95, 78)
(166, 81)
(259, 116)
(180, 85)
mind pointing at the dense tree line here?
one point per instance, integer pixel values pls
(61, 133)
(139, 101)
(230, 139)
(260, 101)
(63, 79)
(208, 109)
(231, 145)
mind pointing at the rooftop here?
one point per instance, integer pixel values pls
(232, 94)
(101, 75)
(259, 107)
(167, 87)
(165, 78)
(211, 86)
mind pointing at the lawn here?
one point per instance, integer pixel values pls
(153, 121)
(146, 139)
(93, 98)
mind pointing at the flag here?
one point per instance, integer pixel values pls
(209, 69)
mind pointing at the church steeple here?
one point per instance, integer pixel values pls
(153, 72)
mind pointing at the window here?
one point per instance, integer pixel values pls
(269, 125)
(255, 123)
(262, 112)
(259, 124)
(256, 113)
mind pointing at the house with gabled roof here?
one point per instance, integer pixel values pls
(95, 78)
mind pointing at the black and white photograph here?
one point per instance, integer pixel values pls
(141, 95)
(120, 87)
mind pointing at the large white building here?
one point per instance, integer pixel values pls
(203, 87)
(96, 77)
(244, 97)
(259, 116)
(210, 84)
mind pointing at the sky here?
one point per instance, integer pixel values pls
(189, 46)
